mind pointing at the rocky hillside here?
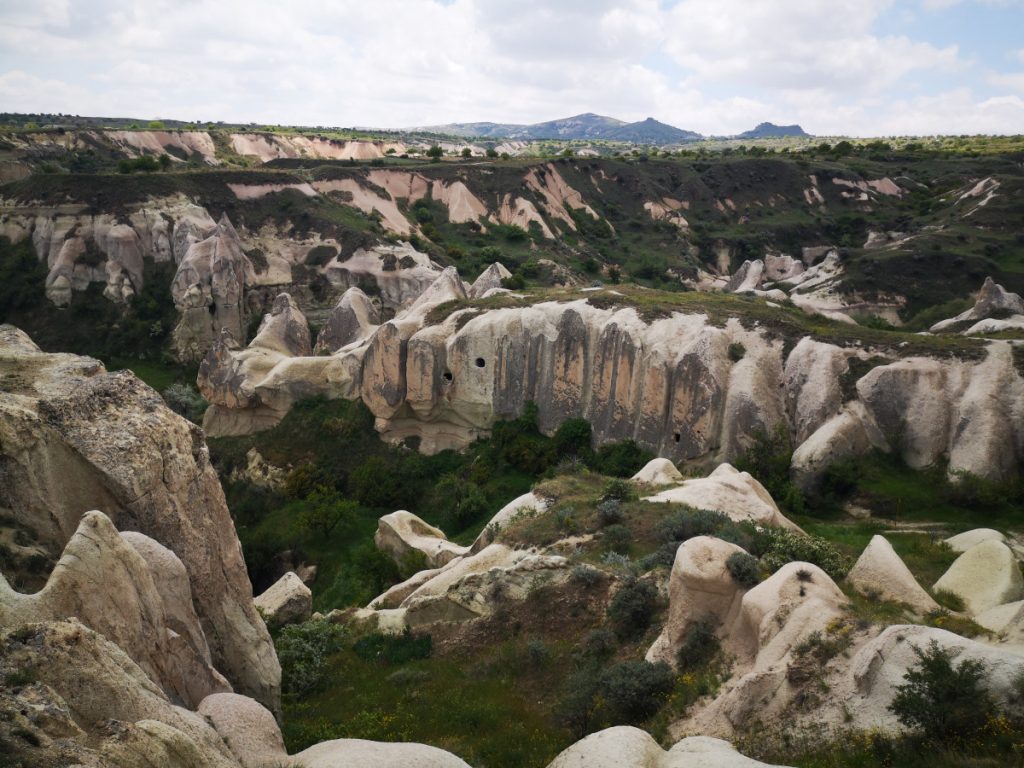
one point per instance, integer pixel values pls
(133, 258)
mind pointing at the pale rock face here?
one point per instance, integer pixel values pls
(781, 267)
(879, 666)
(658, 472)
(284, 329)
(247, 727)
(699, 586)
(849, 434)
(400, 271)
(984, 439)
(813, 395)
(354, 318)
(490, 278)
(910, 401)
(992, 298)
(286, 601)
(748, 277)
(171, 581)
(97, 682)
(469, 587)
(129, 612)
(966, 540)
(357, 753)
(1007, 621)
(526, 505)
(880, 571)
(76, 438)
(402, 533)
(624, 746)
(731, 492)
(209, 291)
(985, 576)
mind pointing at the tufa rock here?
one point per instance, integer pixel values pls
(880, 571)
(985, 576)
(402, 533)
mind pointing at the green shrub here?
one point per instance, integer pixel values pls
(699, 645)
(737, 351)
(303, 650)
(687, 522)
(632, 608)
(635, 690)
(573, 438)
(768, 460)
(950, 600)
(599, 644)
(945, 703)
(185, 400)
(394, 649)
(609, 512)
(618, 538)
(620, 459)
(744, 569)
(778, 547)
(620, 490)
(325, 509)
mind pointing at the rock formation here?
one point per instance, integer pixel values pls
(733, 493)
(286, 601)
(984, 576)
(993, 303)
(626, 747)
(209, 291)
(401, 534)
(880, 572)
(354, 318)
(75, 438)
(658, 472)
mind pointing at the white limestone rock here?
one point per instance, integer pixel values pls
(247, 727)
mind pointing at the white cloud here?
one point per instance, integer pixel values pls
(717, 66)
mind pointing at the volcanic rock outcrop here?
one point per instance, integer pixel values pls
(74, 438)
(676, 385)
(209, 291)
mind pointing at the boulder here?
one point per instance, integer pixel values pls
(658, 472)
(962, 542)
(247, 727)
(731, 492)
(985, 576)
(1005, 620)
(358, 753)
(847, 435)
(402, 533)
(284, 329)
(880, 572)
(286, 601)
(699, 586)
(354, 318)
(624, 746)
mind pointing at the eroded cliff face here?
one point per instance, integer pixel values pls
(74, 438)
(682, 386)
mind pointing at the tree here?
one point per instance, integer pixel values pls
(156, 125)
(945, 703)
(492, 152)
(435, 153)
(467, 152)
(165, 161)
(325, 510)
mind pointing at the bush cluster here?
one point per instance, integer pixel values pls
(633, 607)
(303, 650)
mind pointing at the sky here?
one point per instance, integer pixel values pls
(836, 67)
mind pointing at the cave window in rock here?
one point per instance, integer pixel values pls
(447, 376)
(677, 437)
(480, 362)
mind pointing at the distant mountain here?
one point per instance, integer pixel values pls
(650, 131)
(773, 131)
(587, 126)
